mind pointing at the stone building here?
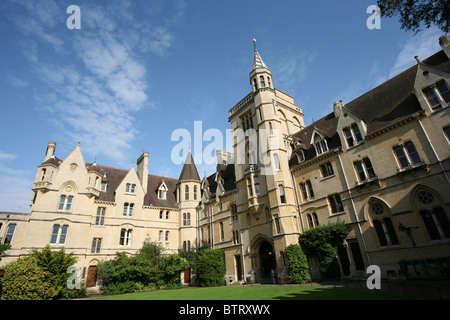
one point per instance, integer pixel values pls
(380, 163)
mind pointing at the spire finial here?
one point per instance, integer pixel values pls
(254, 43)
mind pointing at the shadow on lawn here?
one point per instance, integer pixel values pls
(329, 293)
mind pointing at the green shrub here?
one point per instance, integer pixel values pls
(297, 265)
(170, 268)
(54, 263)
(42, 275)
(25, 280)
(322, 242)
(211, 267)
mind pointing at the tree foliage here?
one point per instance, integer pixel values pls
(148, 269)
(297, 265)
(322, 242)
(25, 280)
(211, 267)
(41, 276)
(414, 14)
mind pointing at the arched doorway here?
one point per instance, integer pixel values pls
(267, 259)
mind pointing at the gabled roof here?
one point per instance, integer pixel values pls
(115, 176)
(189, 171)
(228, 178)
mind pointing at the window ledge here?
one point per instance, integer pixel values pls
(411, 167)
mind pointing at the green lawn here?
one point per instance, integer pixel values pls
(260, 293)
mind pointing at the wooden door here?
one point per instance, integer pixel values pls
(92, 276)
(187, 276)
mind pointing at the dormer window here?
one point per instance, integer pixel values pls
(162, 191)
(300, 156)
(437, 95)
(103, 186)
(321, 146)
(352, 135)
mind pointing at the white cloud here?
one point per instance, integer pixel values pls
(423, 44)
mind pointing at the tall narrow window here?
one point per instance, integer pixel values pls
(167, 236)
(9, 233)
(282, 195)
(186, 193)
(160, 236)
(270, 128)
(43, 174)
(195, 192)
(100, 218)
(249, 187)
(276, 161)
(256, 184)
(263, 83)
(222, 236)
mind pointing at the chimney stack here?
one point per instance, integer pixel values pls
(50, 150)
(142, 170)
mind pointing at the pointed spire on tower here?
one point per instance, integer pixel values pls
(257, 60)
(189, 171)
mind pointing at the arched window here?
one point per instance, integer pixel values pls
(381, 220)
(195, 192)
(432, 213)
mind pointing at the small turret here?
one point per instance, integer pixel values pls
(260, 75)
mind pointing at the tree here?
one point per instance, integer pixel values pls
(415, 13)
(211, 267)
(297, 265)
(54, 264)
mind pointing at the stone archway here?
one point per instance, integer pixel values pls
(267, 260)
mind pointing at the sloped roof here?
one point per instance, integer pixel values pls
(381, 106)
(258, 61)
(189, 171)
(229, 180)
(115, 176)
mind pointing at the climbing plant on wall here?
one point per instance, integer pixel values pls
(322, 242)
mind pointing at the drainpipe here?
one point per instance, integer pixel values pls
(434, 151)
(354, 210)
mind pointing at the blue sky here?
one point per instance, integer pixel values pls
(138, 70)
